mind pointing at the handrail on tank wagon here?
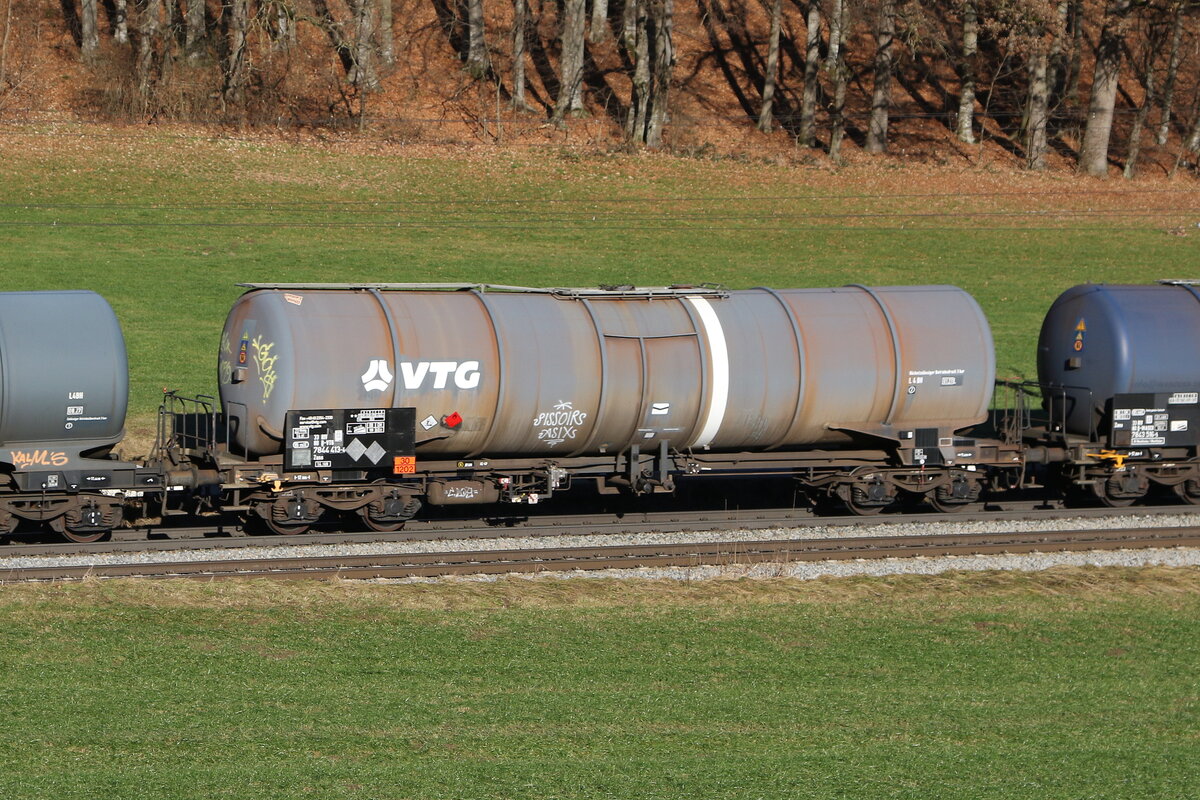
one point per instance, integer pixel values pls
(616, 292)
(1055, 402)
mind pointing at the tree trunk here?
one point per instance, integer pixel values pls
(812, 62)
(966, 97)
(1153, 43)
(387, 37)
(1035, 147)
(194, 37)
(885, 34)
(1054, 61)
(148, 27)
(1075, 60)
(1093, 155)
(768, 94)
(570, 87)
(1168, 96)
(841, 77)
(835, 35)
(1191, 145)
(235, 63)
(661, 18)
(120, 24)
(599, 26)
(4, 45)
(364, 76)
(337, 35)
(639, 56)
(478, 63)
(518, 48)
(89, 38)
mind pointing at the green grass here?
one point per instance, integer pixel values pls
(164, 226)
(1075, 684)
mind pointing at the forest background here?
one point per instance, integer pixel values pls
(1037, 84)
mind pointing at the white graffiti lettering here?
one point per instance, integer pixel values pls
(557, 426)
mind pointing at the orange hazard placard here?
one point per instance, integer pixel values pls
(404, 465)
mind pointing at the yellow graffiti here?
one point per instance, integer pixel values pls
(226, 345)
(265, 363)
(225, 369)
(22, 459)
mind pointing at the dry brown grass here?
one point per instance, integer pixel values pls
(1071, 586)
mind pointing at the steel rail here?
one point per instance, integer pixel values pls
(401, 565)
(216, 536)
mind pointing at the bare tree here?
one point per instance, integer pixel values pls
(653, 59)
(966, 71)
(120, 22)
(1168, 95)
(1093, 155)
(387, 39)
(478, 63)
(885, 35)
(812, 66)
(839, 22)
(768, 93)
(1153, 40)
(520, 15)
(570, 88)
(363, 75)
(89, 38)
(637, 49)
(149, 24)
(661, 20)
(1044, 57)
(599, 26)
(235, 59)
(195, 31)
(4, 47)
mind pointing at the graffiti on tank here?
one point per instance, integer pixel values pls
(559, 424)
(265, 361)
(462, 492)
(23, 459)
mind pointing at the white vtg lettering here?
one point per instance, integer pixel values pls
(466, 373)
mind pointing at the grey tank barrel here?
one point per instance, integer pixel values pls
(1102, 340)
(560, 372)
(64, 378)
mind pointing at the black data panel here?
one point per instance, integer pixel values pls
(1156, 420)
(351, 438)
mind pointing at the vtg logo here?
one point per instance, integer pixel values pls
(378, 376)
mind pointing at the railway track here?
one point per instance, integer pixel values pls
(551, 525)
(403, 565)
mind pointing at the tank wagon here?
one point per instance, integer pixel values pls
(1120, 376)
(376, 398)
(64, 388)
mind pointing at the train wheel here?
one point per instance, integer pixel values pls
(866, 498)
(86, 536)
(287, 516)
(373, 524)
(957, 495)
(389, 513)
(947, 506)
(1121, 490)
(1188, 492)
(286, 529)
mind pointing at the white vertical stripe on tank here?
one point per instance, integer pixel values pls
(718, 363)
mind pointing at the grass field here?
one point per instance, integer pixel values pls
(165, 224)
(1080, 683)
